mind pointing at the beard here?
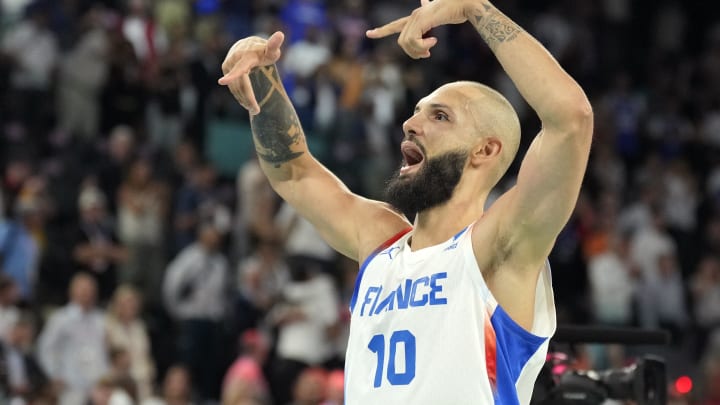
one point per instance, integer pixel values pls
(431, 186)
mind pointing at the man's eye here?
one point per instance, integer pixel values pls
(440, 116)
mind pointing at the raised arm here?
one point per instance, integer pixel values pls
(352, 225)
(550, 176)
(532, 213)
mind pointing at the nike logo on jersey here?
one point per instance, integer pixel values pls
(423, 291)
(390, 251)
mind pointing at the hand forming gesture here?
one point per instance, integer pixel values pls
(429, 15)
(245, 55)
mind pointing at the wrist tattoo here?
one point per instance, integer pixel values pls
(493, 26)
(276, 128)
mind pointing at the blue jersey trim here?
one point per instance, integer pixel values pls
(515, 346)
(367, 261)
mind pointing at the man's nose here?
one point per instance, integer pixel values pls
(411, 126)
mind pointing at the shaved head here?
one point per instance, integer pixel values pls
(493, 116)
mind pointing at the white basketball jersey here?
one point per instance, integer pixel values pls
(425, 329)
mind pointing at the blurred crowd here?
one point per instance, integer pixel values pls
(132, 270)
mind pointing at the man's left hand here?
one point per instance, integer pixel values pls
(429, 15)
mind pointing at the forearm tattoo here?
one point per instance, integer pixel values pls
(276, 128)
(494, 27)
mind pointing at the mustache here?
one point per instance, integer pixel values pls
(412, 138)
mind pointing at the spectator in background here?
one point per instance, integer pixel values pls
(115, 162)
(197, 191)
(624, 109)
(119, 366)
(164, 113)
(124, 93)
(20, 373)
(110, 392)
(668, 129)
(302, 61)
(184, 159)
(245, 382)
(709, 390)
(195, 295)
(262, 276)
(638, 214)
(705, 290)
(33, 49)
(148, 39)
(82, 73)
(9, 312)
(335, 393)
(304, 318)
(142, 212)
(649, 243)
(17, 171)
(302, 240)
(72, 346)
(173, 17)
(310, 387)
(611, 275)
(95, 247)
(256, 206)
(126, 331)
(384, 91)
(608, 169)
(662, 300)
(176, 388)
(19, 250)
(681, 203)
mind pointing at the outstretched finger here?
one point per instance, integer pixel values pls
(242, 67)
(388, 29)
(244, 94)
(247, 89)
(236, 90)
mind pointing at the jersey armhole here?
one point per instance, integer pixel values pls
(367, 261)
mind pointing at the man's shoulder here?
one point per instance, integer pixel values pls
(385, 226)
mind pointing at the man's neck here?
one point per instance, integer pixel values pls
(439, 224)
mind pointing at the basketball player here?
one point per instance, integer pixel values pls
(457, 308)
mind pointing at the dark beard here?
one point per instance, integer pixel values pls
(429, 187)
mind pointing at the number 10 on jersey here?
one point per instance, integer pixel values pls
(377, 346)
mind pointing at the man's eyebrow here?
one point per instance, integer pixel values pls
(435, 106)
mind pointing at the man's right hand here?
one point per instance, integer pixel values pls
(245, 55)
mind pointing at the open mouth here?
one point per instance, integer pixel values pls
(412, 154)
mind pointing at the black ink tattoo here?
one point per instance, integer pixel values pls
(277, 128)
(494, 27)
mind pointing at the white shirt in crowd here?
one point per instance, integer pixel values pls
(71, 348)
(36, 51)
(8, 317)
(306, 340)
(205, 274)
(611, 288)
(647, 245)
(302, 237)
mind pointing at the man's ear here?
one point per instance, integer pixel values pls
(488, 149)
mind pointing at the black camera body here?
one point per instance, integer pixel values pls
(644, 382)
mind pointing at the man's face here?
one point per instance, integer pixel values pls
(84, 292)
(435, 149)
